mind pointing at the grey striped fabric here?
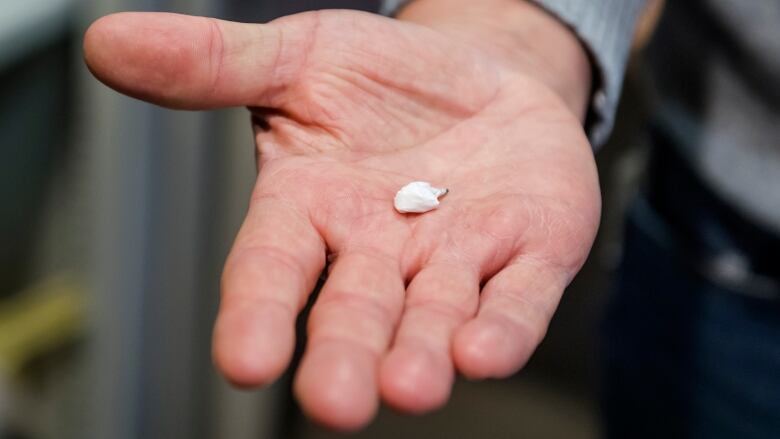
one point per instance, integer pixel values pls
(606, 28)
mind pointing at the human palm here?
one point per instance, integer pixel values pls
(347, 108)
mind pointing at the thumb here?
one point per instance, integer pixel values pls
(189, 62)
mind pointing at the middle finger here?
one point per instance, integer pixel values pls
(349, 329)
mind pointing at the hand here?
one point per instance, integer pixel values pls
(348, 108)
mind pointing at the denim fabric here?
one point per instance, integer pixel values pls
(682, 356)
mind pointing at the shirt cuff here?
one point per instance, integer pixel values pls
(389, 7)
(606, 28)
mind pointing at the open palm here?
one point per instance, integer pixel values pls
(348, 107)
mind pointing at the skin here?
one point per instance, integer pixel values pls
(484, 98)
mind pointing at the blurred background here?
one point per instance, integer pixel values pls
(116, 216)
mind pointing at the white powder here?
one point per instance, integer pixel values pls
(418, 197)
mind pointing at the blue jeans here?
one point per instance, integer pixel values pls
(682, 356)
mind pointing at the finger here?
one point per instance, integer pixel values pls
(515, 309)
(271, 269)
(349, 329)
(417, 375)
(190, 62)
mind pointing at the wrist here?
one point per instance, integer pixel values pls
(518, 34)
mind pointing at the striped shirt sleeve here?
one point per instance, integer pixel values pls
(605, 28)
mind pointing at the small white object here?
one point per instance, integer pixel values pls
(418, 197)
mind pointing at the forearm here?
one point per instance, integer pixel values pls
(520, 34)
